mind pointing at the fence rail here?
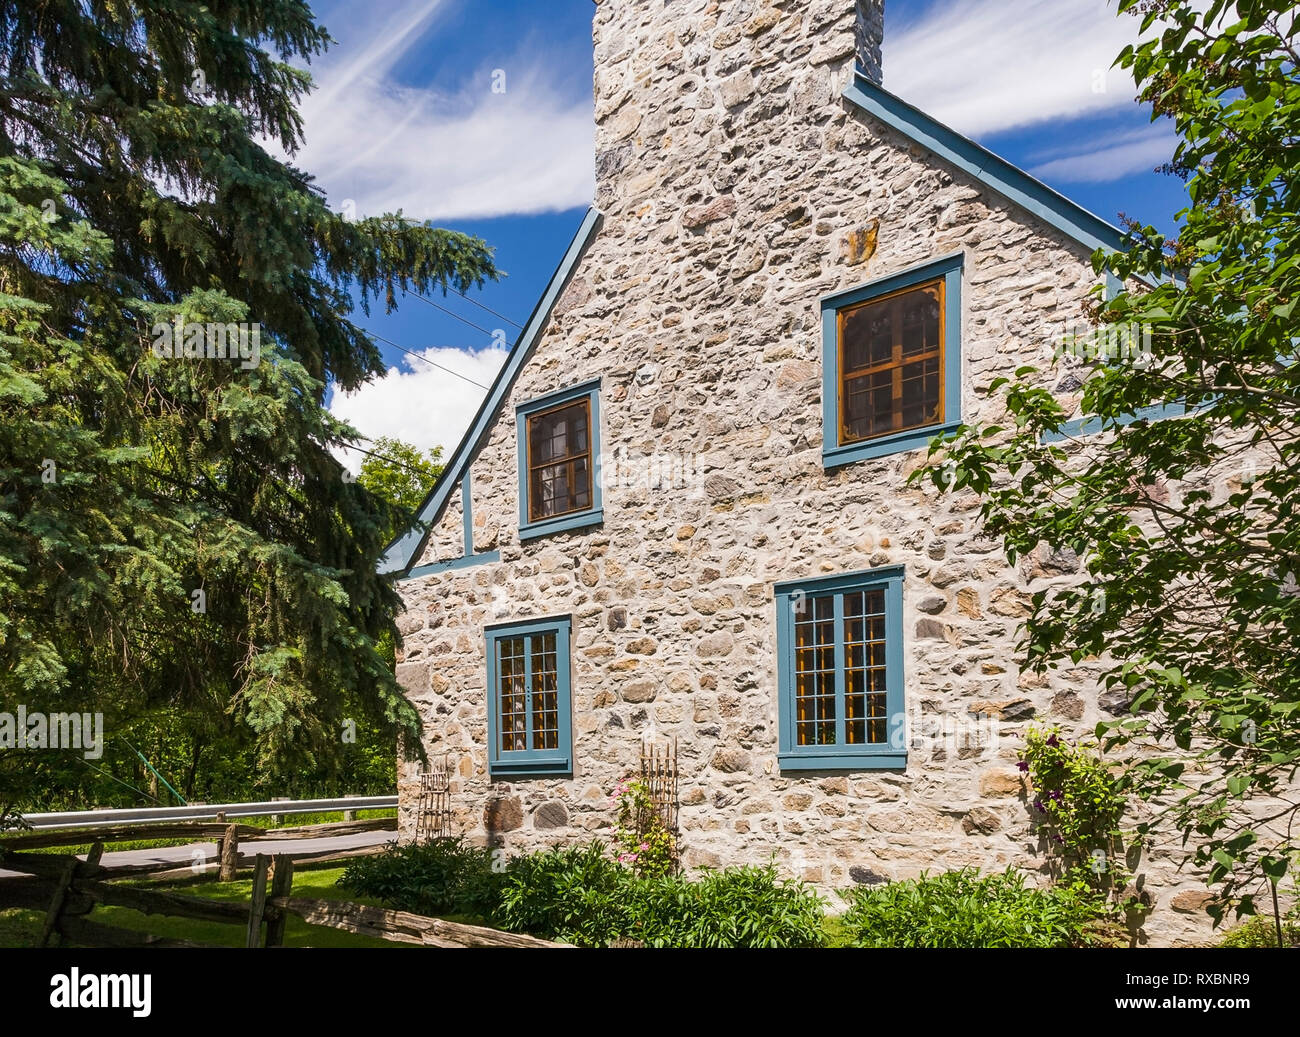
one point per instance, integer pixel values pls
(205, 812)
(72, 889)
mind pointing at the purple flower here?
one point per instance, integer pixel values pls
(1056, 795)
(1053, 742)
(1038, 805)
(1023, 765)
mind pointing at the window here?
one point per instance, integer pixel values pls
(529, 725)
(840, 672)
(892, 363)
(559, 461)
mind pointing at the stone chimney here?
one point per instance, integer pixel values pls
(870, 33)
(677, 81)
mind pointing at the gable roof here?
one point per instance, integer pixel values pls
(405, 551)
(996, 173)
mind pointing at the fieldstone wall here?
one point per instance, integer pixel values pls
(738, 190)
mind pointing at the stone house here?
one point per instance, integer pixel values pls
(682, 512)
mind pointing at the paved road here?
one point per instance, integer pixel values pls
(205, 854)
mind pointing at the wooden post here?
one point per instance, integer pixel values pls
(281, 885)
(229, 854)
(277, 819)
(56, 904)
(258, 906)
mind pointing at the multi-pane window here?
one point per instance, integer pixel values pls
(528, 695)
(559, 461)
(892, 363)
(891, 357)
(839, 646)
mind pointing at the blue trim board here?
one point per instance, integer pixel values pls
(466, 562)
(835, 453)
(526, 762)
(529, 529)
(405, 549)
(467, 512)
(1092, 425)
(996, 173)
(792, 595)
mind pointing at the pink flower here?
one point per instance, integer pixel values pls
(644, 846)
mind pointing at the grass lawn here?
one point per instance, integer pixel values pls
(22, 928)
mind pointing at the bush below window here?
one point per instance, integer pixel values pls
(578, 895)
(965, 909)
(443, 876)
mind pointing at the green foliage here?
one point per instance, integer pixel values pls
(439, 877)
(965, 909)
(1078, 805)
(134, 190)
(736, 907)
(1183, 531)
(1261, 931)
(402, 475)
(574, 894)
(641, 839)
(578, 895)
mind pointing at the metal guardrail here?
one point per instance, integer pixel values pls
(205, 811)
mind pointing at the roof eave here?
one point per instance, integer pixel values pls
(995, 172)
(405, 550)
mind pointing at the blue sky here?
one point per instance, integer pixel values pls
(477, 114)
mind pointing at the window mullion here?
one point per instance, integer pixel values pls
(528, 692)
(840, 678)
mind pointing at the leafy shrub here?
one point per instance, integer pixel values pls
(1261, 931)
(572, 894)
(736, 907)
(443, 876)
(964, 909)
(578, 895)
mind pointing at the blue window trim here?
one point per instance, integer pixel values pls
(574, 520)
(531, 762)
(890, 755)
(835, 454)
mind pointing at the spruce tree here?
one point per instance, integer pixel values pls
(174, 530)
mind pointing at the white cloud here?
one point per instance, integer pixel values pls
(418, 403)
(1139, 151)
(435, 154)
(984, 66)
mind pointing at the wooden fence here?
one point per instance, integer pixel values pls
(69, 889)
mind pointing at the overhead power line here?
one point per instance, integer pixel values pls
(452, 313)
(421, 356)
(384, 457)
(484, 306)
